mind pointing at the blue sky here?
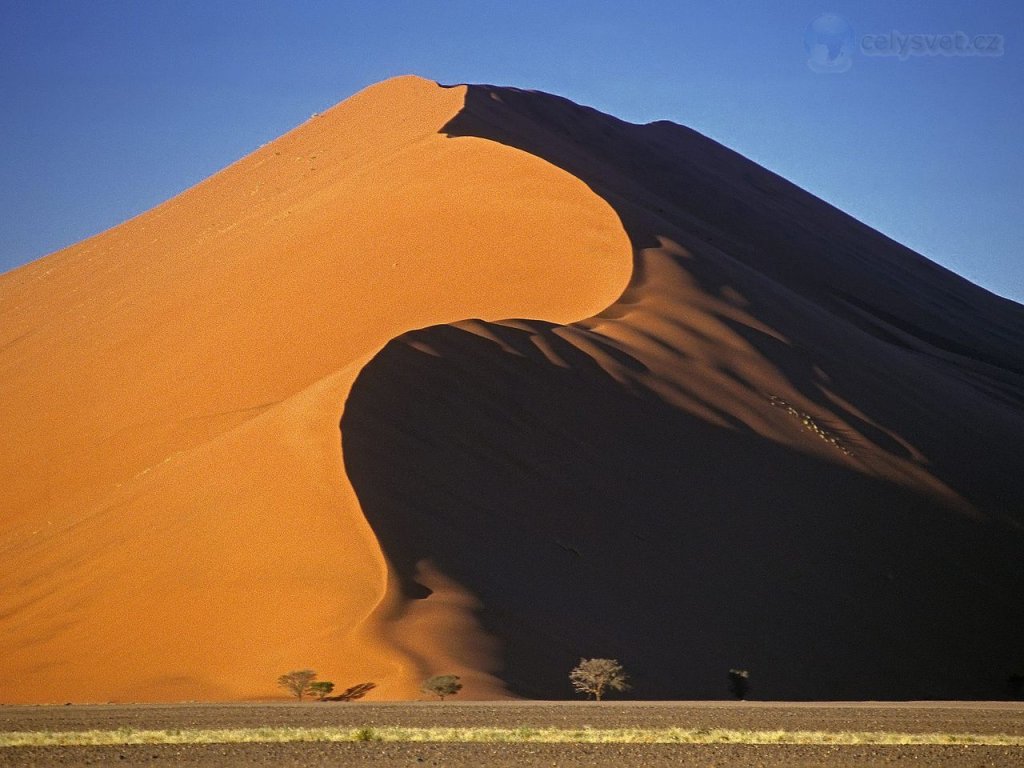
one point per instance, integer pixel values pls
(108, 107)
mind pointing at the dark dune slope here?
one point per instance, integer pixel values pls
(792, 445)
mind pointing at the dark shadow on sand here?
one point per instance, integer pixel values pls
(593, 519)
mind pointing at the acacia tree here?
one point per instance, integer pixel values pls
(297, 682)
(595, 676)
(442, 685)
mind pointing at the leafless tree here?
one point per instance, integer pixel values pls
(596, 676)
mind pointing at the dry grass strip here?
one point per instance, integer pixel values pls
(585, 735)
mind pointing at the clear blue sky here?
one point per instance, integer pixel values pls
(108, 107)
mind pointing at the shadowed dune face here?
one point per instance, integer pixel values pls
(589, 516)
(790, 445)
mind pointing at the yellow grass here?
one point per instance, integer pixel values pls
(521, 735)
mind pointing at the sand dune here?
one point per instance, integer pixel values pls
(734, 427)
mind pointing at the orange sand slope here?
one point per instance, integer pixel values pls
(739, 428)
(177, 522)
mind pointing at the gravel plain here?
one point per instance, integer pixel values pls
(923, 717)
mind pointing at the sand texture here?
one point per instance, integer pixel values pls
(476, 380)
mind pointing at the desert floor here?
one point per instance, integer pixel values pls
(925, 717)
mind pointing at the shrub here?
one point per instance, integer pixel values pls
(321, 689)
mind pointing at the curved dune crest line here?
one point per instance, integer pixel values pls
(790, 444)
(177, 523)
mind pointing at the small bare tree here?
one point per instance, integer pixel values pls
(442, 685)
(297, 682)
(739, 683)
(595, 676)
